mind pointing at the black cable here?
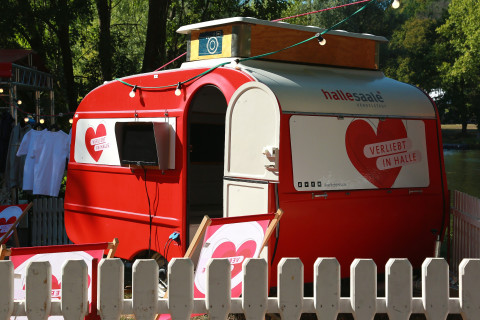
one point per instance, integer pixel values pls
(165, 248)
(149, 212)
(155, 205)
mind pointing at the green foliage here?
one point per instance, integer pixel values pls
(430, 46)
(370, 20)
(460, 67)
(413, 57)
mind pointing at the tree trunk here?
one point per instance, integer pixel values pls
(104, 43)
(30, 29)
(63, 34)
(156, 34)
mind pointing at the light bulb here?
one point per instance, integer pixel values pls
(132, 93)
(26, 119)
(42, 121)
(395, 4)
(321, 40)
(19, 102)
(178, 91)
(70, 120)
(236, 64)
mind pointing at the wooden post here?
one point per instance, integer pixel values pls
(3, 251)
(113, 248)
(271, 227)
(206, 221)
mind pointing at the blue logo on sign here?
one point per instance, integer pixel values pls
(210, 43)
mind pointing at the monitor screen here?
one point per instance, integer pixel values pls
(136, 143)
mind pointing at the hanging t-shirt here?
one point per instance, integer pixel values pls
(50, 151)
(27, 148)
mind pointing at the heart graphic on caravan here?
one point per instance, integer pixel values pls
(390, 138)
(95, 141)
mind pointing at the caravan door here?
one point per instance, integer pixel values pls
(252, 135)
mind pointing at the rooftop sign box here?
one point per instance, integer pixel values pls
(248, 37)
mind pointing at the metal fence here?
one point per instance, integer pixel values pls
(290, 302)
(465, 228)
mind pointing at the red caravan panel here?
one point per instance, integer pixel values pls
(105, 200)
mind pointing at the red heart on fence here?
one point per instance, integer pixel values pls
(236, 256)
(90, 135)
(359, 134)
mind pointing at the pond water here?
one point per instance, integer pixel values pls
(463, 170)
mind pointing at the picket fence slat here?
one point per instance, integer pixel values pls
(6, 291)
(290, 288)
(255, 289)
(363, 302)
(398, 288)
(110, 284)
(326, 288)
(363, 288)
(217, 298)
(180, 288)
(470, 277)
(74, 301)
(145, 289)
(38, 290)
(435, 289)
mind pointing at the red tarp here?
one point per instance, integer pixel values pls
(17, 56)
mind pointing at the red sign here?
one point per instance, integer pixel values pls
(234, 241)
(9, 215)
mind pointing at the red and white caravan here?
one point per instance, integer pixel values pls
(352, 157)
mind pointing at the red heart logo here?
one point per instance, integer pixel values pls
(236, 257)
(91, 140)
(6, 223)
(359, 134)
(11, 220)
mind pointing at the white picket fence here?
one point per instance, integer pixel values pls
(465, 211)
(290, 302)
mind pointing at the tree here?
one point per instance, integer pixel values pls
(156, 34)
(104, 9)
(460, 69)
(47, 28)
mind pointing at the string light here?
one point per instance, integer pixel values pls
(1, 90)
(70, 120)
(42, 121)
(321, 40)
(237, 64)
(26, 119)
(19, 102)
(178, 91)
(395, 4)
(132, 93)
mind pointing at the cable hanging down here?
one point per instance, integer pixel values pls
(317, 36)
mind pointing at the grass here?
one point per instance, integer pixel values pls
(452, 134)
